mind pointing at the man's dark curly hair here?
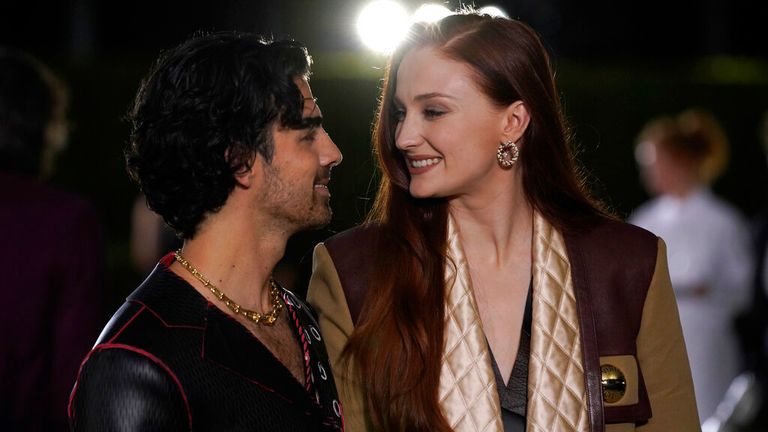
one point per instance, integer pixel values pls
(201, 115)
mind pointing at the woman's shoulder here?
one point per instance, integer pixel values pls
(353, 254)
(612, 235)
(615, 251)
(353, 250)
(353, 238)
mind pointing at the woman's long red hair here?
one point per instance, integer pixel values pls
(397, 344)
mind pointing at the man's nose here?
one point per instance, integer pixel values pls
(330, 154)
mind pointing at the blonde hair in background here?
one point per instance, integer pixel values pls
(698, 122)
(694, 135)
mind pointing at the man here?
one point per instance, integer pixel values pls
(51, 296)
(228, 147)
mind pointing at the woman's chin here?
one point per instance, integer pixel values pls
(420, 193)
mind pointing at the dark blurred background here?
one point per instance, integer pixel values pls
(618, 64)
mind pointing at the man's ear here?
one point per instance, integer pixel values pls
(516, 119)
(246, 176)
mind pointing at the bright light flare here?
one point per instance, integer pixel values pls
(493, 11)
(382, 25)
(431, 12)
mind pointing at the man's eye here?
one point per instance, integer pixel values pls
(310, 136)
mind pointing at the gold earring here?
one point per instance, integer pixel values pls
(507, 154)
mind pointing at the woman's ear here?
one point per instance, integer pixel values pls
(516, 121)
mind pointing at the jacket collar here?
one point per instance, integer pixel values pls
(224, 341)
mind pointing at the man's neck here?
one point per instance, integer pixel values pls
(237, 259)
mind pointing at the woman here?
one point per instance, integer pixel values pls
(709, 256)
(487, 290)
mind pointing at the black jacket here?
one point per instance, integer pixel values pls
(170, 360)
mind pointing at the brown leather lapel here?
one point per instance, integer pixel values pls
(580, 277)
(612, 264)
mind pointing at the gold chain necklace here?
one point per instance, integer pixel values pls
(267, 319)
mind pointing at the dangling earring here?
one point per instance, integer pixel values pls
(507, 154)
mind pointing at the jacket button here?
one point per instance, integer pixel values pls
(613, 382)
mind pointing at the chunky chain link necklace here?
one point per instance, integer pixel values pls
(267, 319)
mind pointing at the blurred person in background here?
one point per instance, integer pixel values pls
(51, 253)
(707, 239)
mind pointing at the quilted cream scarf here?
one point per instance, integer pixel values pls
(556, 393)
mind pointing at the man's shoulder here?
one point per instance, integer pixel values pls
(125, 383)
(153, 313)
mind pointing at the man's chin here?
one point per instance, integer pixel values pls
(319, 220)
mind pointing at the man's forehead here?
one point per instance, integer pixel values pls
(311, 109)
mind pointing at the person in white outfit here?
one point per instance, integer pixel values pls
(707, 239)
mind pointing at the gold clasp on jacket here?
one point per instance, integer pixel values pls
(613, 382)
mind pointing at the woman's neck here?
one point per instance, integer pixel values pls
(496, 228)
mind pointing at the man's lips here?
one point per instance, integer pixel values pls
(322, 186)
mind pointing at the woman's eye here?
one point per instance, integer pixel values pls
(398, 115)
(433, 113)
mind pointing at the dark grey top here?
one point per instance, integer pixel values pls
(514, 395)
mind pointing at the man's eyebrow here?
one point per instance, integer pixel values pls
(310, 122)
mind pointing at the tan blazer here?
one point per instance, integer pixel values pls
(624, 310)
